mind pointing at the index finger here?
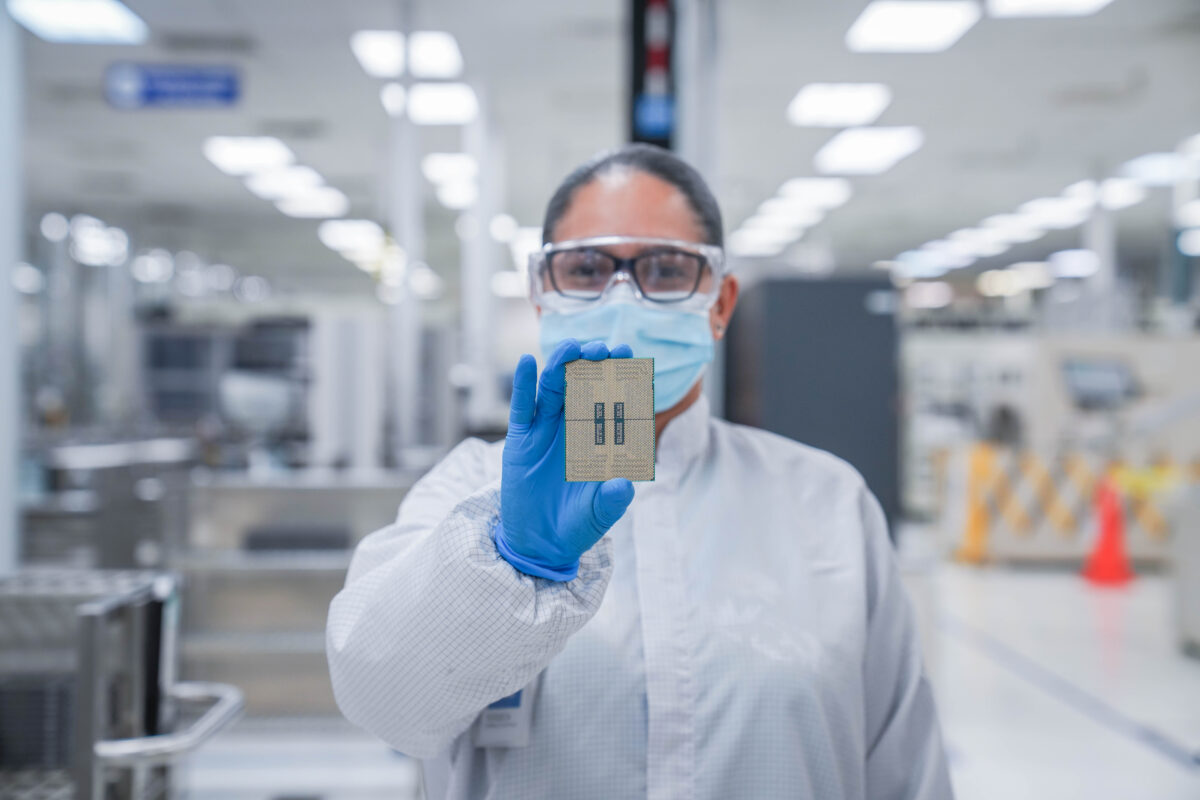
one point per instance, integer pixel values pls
(552, 384)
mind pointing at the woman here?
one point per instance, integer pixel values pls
(735, 628)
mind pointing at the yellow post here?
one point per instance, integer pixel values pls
(980, 467)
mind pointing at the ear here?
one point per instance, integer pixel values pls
(722, 310)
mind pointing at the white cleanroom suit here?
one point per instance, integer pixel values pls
(740, 632)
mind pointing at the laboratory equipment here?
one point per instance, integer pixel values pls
(89, 705)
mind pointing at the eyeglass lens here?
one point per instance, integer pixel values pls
(662, 275)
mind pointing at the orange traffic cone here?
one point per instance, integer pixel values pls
(1108, 564)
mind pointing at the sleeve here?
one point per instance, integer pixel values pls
(905, 757)
(432, 625)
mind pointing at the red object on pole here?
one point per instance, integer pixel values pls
(1109, 565)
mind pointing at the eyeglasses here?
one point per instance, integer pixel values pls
(568, 276)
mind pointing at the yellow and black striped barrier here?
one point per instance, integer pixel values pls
(1022, 491)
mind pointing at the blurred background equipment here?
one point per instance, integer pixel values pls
(92, 707)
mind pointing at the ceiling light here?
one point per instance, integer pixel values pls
(1056, 212)
(755, 244)
(242, 155)
(347, 235)
(999, 283)
(324, 201)
(509, 284)
(911, 26)
(981, 242)
(951, 254)
(1186, 216)
(441, 168)
(381, 53)
(55, 227)
(503, 227)
(781, 229)
(1013, 228)
(1044, 8)
(929, 294)
(920, 264)
(279, 183)
(1189, 243)
(442, 104)
(79, 21)
(838, 105)
(392, 96)
(95, 244)
(824, 193)
(1160, 169)
(1118, 193)
(789, 210)
(458, 195)
(434, 54)
(867, 151)
(1074, 263)
(1034, 274)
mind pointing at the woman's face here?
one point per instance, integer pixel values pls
(628, 202)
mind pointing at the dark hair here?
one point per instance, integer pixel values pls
(654, 161)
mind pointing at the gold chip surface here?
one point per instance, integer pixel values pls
(609, 410)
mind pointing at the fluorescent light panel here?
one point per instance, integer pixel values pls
(458, 195)
(1074, 263)
(822, 193)
(1160, 169)
(911, 26)
(434, 54)
(442, 104)
(350, 235)
(838, 105)
(380, 53)
(867, 151)
(242, 155)
(1044, 8)
(441, 168)
(286, 182)
(324, 201)
(79, 21)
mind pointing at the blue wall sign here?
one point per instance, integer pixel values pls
(129, 86)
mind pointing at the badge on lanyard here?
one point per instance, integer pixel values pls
(506, 722)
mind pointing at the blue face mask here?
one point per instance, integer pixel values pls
(680, 342)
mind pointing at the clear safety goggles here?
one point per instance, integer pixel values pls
(577, 274)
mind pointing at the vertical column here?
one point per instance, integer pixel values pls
(479, 254)
(1099, 236)
(405, 211)
(695, 69)
(10, 250)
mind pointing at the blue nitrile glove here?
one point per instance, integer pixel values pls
(546, 524)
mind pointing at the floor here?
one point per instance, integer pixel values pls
(1047, 688)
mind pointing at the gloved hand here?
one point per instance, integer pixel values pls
(546, 524)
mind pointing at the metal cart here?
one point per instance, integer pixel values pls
(89, 705)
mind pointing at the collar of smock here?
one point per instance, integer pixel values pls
(684, 438)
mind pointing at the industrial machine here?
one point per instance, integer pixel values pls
(815, 360)
(89, 705)
(113, 504)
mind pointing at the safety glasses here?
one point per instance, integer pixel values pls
(573, 275)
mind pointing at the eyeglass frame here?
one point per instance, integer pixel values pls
(713, 256)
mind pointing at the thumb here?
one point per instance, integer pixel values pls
(610, 501)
